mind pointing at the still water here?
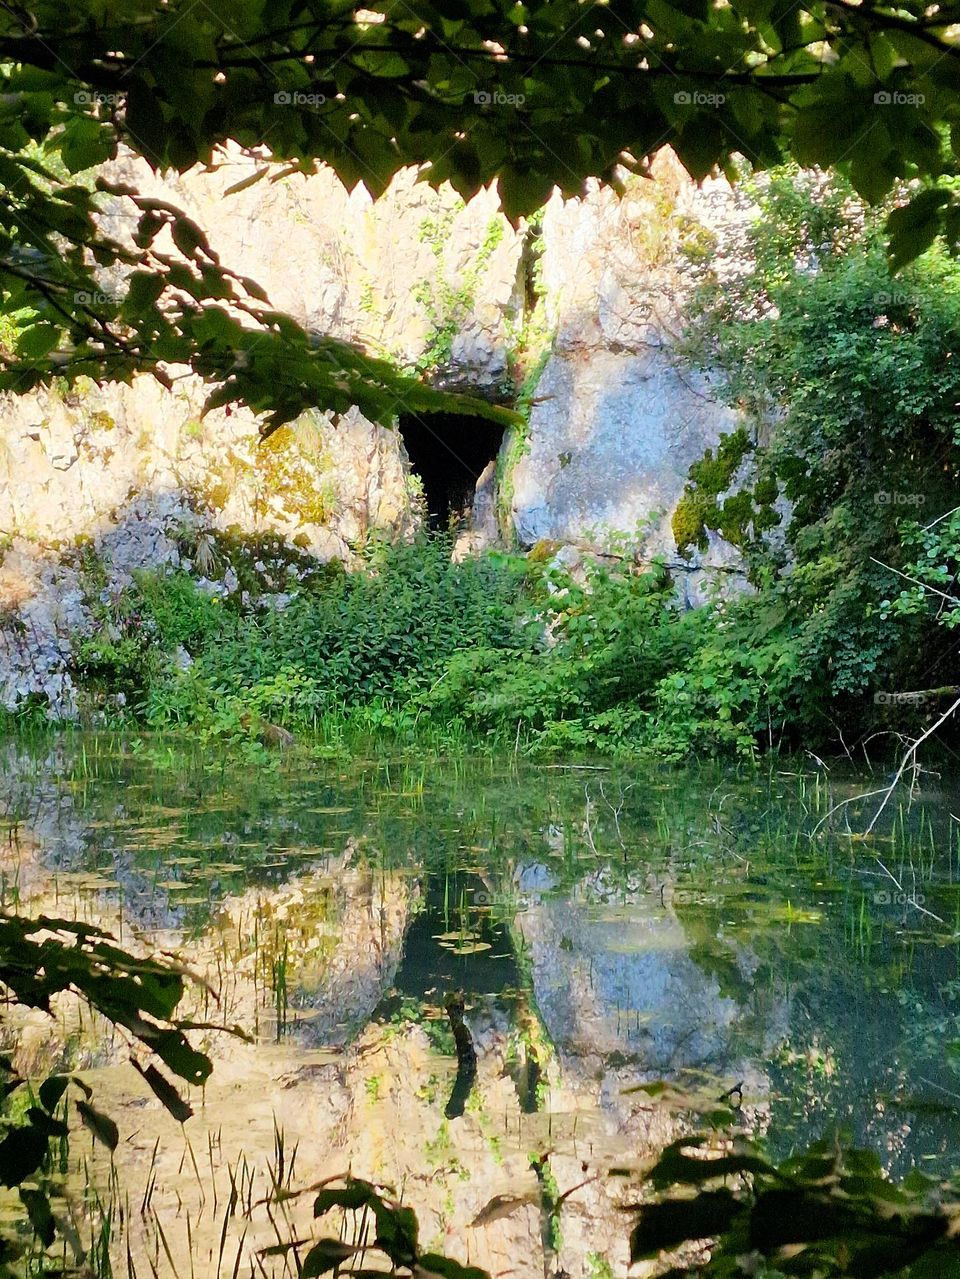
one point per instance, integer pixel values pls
(606, 926)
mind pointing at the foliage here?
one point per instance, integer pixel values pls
(828, 1211)
(40, 959)
(524, 652)
(933, 574)
(448, 305)
(846, 378)
(366, 644)
(612, 636)
(534, 97)
(382, 1226)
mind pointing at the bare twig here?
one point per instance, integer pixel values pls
(910, 754)
(916, 581)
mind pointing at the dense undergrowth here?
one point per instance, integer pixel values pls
(519, 652)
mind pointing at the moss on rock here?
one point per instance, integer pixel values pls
(742, 517)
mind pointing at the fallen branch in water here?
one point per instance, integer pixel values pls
(909, 755)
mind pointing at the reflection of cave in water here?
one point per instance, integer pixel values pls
(459, 965)
(449, 453)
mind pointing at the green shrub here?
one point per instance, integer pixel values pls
(847, 381)
(175, 609)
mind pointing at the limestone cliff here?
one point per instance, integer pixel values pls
(579, 310)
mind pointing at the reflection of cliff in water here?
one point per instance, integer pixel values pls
(623, 1002)
(459, 975)
(615, 980)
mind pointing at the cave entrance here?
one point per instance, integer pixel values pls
(449, 453)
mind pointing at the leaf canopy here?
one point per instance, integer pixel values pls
(533, 96)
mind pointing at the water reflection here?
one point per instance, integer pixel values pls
(593, 930)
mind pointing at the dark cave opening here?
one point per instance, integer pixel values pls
(449, 453)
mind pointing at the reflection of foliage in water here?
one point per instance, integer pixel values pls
(436, 1027)
(791, 930)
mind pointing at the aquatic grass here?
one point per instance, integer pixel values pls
(278, 983)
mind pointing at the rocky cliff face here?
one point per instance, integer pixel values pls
(617, 420)
(583, 308)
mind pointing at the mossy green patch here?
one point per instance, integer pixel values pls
(740, 517)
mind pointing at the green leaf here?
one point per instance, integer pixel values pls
(22, 1151)
(675, 1221)
(352, 1197)
(188, 238)
(46, 1124)
(254, 289)
(324, 1256)
(396, 1232)
(165, 1091)
(51, 1090)
(676, 1167)
(522, 192)
(870, 170)
(38, 341)
(143, 289)
(85, 143)
(434, 1264)
(148, 227)
(914, 227)
(38, 1210)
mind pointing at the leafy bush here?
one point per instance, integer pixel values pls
(589, 683)
(933, 572)
(847, 378)
(828, 1211)
(174, 610)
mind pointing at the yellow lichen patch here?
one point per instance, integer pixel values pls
(543, 550)
(293, 466)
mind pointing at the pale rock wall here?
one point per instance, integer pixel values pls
(617, 419)
(340, 263)
(129, 470)
(614, 428)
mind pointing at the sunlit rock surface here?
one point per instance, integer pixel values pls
(137, 472)
(617, 419)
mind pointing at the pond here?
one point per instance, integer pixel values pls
(734, 932)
